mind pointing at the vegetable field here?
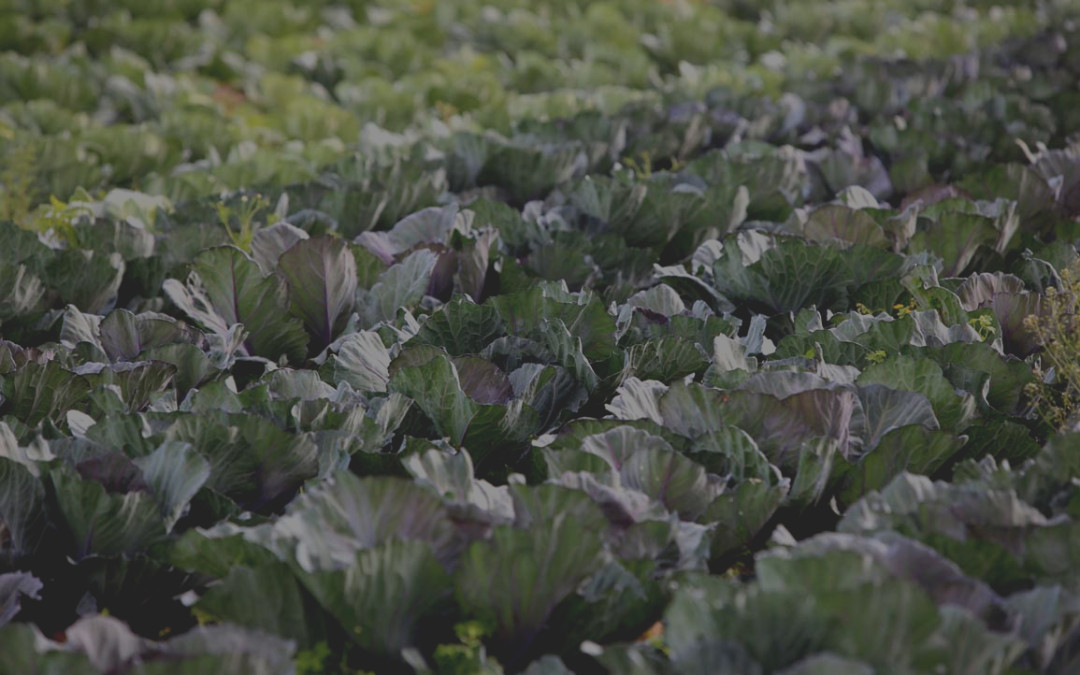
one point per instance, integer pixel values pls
(638, 337)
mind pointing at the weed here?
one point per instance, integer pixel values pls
(1055, 394)
(641, 165)
(903, 310)
(17, 184)
(469, 655)
(243, 216)
(984, 326)
(59, 218)
(313, 661)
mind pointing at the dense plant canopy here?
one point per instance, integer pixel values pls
(477, 337)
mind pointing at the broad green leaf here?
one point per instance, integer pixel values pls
(532, 313)
(781, 426)
(1052, 553)
(692, 410)
(568, 351)
(288, 384)
(774, 629)
(125, 335)
(731, 452)
(818, 460)
(954, 411)
(483, 381)
(214, 553)
(268, 243)
(383, 598)
(226, 287)
(174, 472)
(1050, 614)
(741, 513)
(662, 299)
(619, 600)
(836, 223)
(460, 327)
(321, 277)
(885, 409)
(1016, 182)
(134, 385)
(978, 528)
(426, 226)
(106, 644)
(638, 400)
(332, 523)
(87, 279)
(835, 561)
(253, 462)
(222, 649)
(451, 476)
(667, 359)
(996, 381)
(516, 578)
(1004, 294)
(99, 523)
(553, 392)
(193, 366)
(37, 392)
(21, 290)
(22, 656)
(968, 646)
(22, 515)
(530, 171)
(646, 463)
(268, 598)
(955, 237)
(547, 665)
(79, 327)
(788, 277)
(912, 448)
(729, 354)
(401, 286)
(362, 360)
(828, 663)
(13, 587)
(436, 388)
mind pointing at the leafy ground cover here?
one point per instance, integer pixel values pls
(632, 337)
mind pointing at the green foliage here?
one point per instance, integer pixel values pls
(313, 661)
(57, 218)
(239, 220)
(1056, 390)
(654, 337)
(16, 184)
(468, 655)
(984, 326)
